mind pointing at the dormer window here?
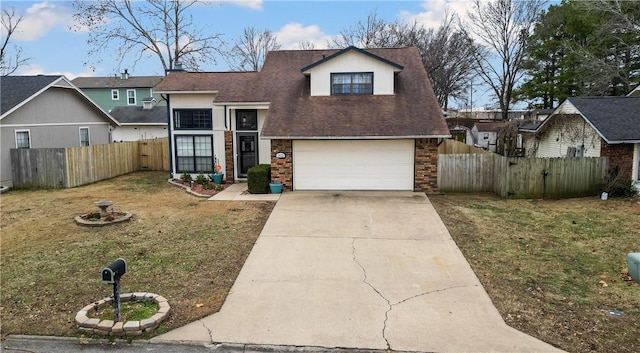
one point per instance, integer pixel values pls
(351, 83)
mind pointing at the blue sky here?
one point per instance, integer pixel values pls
(53, 48)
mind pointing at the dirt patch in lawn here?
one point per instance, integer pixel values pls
(554, 269)
(187, 249)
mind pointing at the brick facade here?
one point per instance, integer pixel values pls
(620, 156)
(228, 160)
(282, 168)
(426, 166)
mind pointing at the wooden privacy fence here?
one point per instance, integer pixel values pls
(457, 147)
(552, 178)
(75, 166)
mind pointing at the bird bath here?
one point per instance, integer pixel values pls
(104, 217)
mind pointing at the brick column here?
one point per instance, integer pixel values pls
(282, 168)
(426, 166)
(228, 156)
(620, 157)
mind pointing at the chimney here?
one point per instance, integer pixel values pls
(177, 66)
(125, 74)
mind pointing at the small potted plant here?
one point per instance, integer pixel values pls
(217, 175)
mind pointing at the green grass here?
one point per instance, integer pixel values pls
(132, 310)
(554, 268)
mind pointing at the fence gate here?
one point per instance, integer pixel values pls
(525, 178)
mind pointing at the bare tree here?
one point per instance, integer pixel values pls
(160, 28)
(306, 45)
(11, 57)
(503, 28)
(375, 32)
(250, 49)
(447, 55)
(446, 52)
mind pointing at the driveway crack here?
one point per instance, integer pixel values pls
(365, 281)
(208, 330)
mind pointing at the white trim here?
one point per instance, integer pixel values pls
(88, 135)
(117, 94)
(134, 97)
(53, 124)
(15, 134)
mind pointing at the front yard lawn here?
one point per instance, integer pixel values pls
(554, 269)
(186, 249)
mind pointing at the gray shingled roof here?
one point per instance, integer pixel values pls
(138, 115)
(117, 82)
(16, 89)
(617, 119)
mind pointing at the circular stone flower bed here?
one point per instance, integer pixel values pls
(96, 219)
(85, 322)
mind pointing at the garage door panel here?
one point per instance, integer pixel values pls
(353, 165)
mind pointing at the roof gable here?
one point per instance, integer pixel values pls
(398, 67)
(615, 119)
(16, 91)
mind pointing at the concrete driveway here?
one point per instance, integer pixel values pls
(368, 270)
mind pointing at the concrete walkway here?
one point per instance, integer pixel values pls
(238, 192)
(367, 270)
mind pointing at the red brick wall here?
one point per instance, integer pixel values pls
(228, 156)
(282, 168)
(426, 166)
(621, 156)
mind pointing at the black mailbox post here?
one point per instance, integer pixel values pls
(111, 275)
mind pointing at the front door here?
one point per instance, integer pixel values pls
(247, 143)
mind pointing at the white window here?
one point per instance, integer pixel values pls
(115, 94)
(23, 139)
(194, 153)
(131, 97)
(84, 136)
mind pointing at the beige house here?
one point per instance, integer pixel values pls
(348, 119)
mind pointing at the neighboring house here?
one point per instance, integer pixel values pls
(125, 90)
(346, 119)
(46, 112)
(460, 129)
(591, 127)
(486, 134)
(140, 123)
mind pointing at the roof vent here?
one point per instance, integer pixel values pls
(178, 66)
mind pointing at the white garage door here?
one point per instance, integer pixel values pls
(353, 165)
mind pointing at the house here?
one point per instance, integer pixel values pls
(591, 127)
(148, 121)
(46, 112)
(348, 119)
(486, 134)
(460, 129)
(123, 90)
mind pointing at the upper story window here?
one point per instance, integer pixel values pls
(192, 119)
(131, 97)
(351, 83)
(23, 139)
(115, 94)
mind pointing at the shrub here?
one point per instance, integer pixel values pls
(258, 178)
(202, 179)
(186, 177)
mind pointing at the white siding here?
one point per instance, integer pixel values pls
(573, 131)
(352, 62)
(140, 132)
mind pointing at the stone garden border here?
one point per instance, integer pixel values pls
(83, 222)
(127, 328)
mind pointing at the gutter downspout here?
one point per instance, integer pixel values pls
(167, 98)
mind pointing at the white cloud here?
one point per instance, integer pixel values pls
(34, 69)
(39, 19)
(252, 4)
(435, 11)
(292, 34)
